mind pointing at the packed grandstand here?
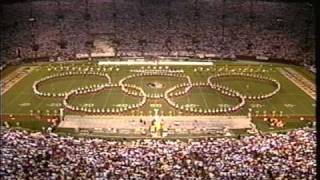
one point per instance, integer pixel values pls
(200, 28)
(42, 156)
(197, 31)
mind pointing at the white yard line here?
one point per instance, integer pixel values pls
(205, 101)
(107, 98)
(8, 85)
(13, 100)
(40, 105)
(91, 96)
(123, 97)
(299, 81)
(290, 109)
(20, 107)
(188, 98)
(301, 78)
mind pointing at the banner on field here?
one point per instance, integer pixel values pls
(262, 58)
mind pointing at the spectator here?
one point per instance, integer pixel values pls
(179, 28)
(37, 156)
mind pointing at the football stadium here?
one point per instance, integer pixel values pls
(158, 89)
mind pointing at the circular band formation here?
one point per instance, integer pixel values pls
(86, 90)
(150, 73)
(133, 90)
(223, 90)
(247, 75)
(97, 88)
(47, 94)
(209, 111)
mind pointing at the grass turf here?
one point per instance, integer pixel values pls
(30, 124)
(291, 100)
(7, 71)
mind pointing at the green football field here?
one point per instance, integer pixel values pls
(291, 100)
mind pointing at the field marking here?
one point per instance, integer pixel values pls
(290, 109)
(292, 94)
(219, 96)
(205, 101)
(239, 86)
(70, 85)
(300, 81)
(19, 108)
(91, 96)
(40, 104)
(54, 104)
(14, 98)
(123, 97)
(14, 77)
(106, 100)
(90, 99)
(301, 77)
(304, 107)
(25, 104)
(188, 98)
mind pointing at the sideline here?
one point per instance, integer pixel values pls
(14, 77)
(172, 122)
(304, 84)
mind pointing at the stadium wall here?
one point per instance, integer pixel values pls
(186, 58)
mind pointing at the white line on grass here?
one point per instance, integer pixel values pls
(107, 99)
(40, 104)
(123, 97)
(92, 95)
(13, 99)
(285, 103)
(204, 99)
(28, 99)
(188, 97)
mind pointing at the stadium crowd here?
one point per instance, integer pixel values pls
(48, 156)
(175, 28)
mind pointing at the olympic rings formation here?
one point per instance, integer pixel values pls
(47, 94)
(133, 90)
(150, 73)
